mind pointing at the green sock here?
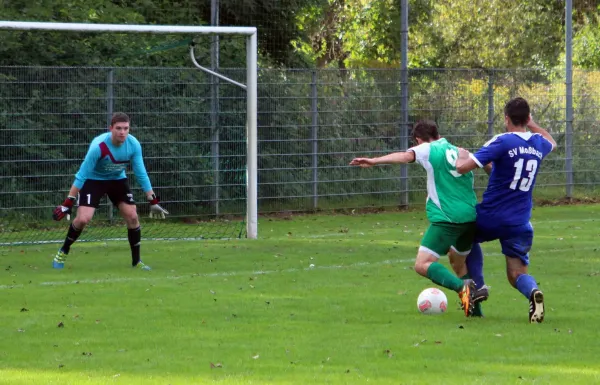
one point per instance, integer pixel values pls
(439, 274)
(477, 312)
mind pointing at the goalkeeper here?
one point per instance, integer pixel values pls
(450, 210)
(103, 173)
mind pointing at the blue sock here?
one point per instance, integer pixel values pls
(526, 284)
(475, 265)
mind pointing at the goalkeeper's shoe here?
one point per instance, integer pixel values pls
(142, 266)
(59, 259)
(466, 297)
(536, 306)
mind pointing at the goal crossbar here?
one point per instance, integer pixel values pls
(92, 27)
(251, 85)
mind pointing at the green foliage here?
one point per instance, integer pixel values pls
(314, 33)
(586, 43)
(499, 33)
(55, 48)
(473, 34)
(275, 21)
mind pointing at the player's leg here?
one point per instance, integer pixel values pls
(437, 241)
(461, 247)
(89, 199)
(458, 255)
(519, 277)
(134, 233)
(474, 263)
(457, 261)
(483, 233)
(515, 246)
(474, 268)
(475, 271)
(122, 197)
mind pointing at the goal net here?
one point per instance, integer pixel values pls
(196, 126)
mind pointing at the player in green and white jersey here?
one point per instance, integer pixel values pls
(450, 209)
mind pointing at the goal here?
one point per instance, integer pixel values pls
(199, 141)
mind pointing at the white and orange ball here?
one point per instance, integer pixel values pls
(432, 301)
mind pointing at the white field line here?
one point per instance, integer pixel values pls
(207, 275)
(150, 278)
(566, 220)
(335, 234)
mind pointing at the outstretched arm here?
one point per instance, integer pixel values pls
(393, 158)
(465, 162)
(488, 168)
(491, 150)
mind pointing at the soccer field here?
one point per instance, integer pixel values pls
(254, 312)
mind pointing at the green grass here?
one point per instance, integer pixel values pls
(260, 315)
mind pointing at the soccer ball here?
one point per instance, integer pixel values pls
(432, 301)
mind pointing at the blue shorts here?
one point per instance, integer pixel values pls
(516, 241)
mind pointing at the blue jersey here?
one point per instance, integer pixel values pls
(105, 161)
(516, 158)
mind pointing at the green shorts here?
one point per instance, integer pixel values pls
(440, 237)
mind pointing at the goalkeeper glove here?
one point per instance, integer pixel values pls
(64, 209)
(156, 211)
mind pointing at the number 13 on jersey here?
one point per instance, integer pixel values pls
(526, 182)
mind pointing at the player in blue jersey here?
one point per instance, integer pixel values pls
(505, 209)
(103, 173)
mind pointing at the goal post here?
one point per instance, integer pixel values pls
(250, 86)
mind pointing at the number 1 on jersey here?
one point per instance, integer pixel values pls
(526, 183)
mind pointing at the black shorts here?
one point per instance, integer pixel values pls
(93, 190)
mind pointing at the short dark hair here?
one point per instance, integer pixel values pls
(119, 117)
(517, 109)
(426, 130)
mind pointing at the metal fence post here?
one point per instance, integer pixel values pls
(110, 105)
(315, 143)
(404, 125)
(214, 109)
(490, 120)
(569, 98)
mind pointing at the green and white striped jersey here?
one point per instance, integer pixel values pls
(450, 195)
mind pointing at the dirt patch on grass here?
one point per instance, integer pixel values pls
(567, 201)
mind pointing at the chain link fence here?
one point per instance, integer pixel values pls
(336, 115)
(311, 123)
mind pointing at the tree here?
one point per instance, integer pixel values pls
(586, 40)
(458, 33)
(65, 48)
(499, 33)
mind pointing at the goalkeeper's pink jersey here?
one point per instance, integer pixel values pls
(105, 161)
